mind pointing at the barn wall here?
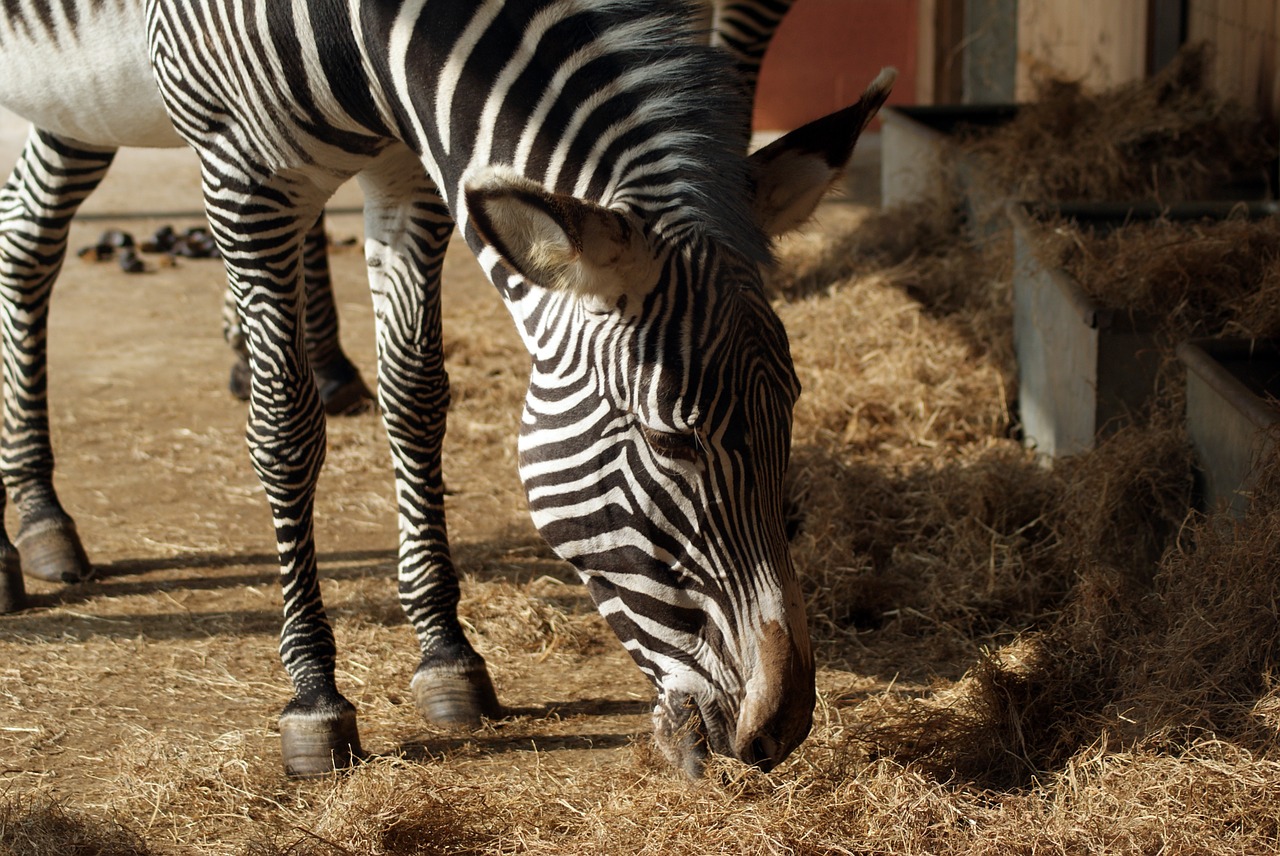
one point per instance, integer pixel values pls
(827, 51)
(1102, 43)
(1244, 33)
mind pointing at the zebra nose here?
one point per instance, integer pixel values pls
(777, 707)
(764, 752)
(768, 745)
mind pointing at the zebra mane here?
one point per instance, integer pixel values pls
(691, 93)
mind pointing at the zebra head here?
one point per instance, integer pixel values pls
(656, 434)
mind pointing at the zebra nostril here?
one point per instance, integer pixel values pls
(763, 752)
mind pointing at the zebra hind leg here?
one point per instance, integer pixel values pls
(52, 177)
(13, 591)
(342, 390)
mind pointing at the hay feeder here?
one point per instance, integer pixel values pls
(1233, 415)
(1083, 369)
(920, 151)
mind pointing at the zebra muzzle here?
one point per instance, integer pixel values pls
(679, 731)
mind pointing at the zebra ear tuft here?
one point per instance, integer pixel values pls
(560, 242)
(794, 172)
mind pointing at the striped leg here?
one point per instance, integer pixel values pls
(52, 178)
(260, 235)
(745, 28)
(407, 230)
(342, 389)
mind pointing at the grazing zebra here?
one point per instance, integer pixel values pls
(744, 28)
(592, 152)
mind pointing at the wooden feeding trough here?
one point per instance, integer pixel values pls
(1083, 369)
(1233, 415)
(920, 154)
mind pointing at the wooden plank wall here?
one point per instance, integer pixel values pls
(940, 51)
(1246, 47)
(1102, 43)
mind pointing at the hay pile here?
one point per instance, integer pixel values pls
(1187, 279)
(1168, 138)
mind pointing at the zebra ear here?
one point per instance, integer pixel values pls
(561, 242)
(794, 172)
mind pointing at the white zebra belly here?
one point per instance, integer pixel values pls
(94, 86)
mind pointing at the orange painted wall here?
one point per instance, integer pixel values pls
(827, 51)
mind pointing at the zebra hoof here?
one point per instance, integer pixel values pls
(317, 743)
(342, 390)
(51, 550)
(13, 593)
(455, 697)
(241, 380)
(347, 399)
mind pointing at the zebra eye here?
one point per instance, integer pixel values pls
(681, 445)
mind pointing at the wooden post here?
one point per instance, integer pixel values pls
(940, 52)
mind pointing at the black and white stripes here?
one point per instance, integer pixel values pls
(745, 28)
(592, 152)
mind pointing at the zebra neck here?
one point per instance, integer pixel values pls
(612, 101)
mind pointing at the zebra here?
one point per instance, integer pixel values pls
(743, 28)
(591, 151)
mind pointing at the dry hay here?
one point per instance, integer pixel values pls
(1163, 666)
(1167, 138)
(1013, 658)
(1184, 279)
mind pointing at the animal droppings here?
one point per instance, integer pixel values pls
(129, 261)
(194, 242)
(116, 238)
(96, 253)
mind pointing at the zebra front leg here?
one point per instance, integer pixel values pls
(261, 240)
(52, 177)
(407, 231)
(342, 389)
